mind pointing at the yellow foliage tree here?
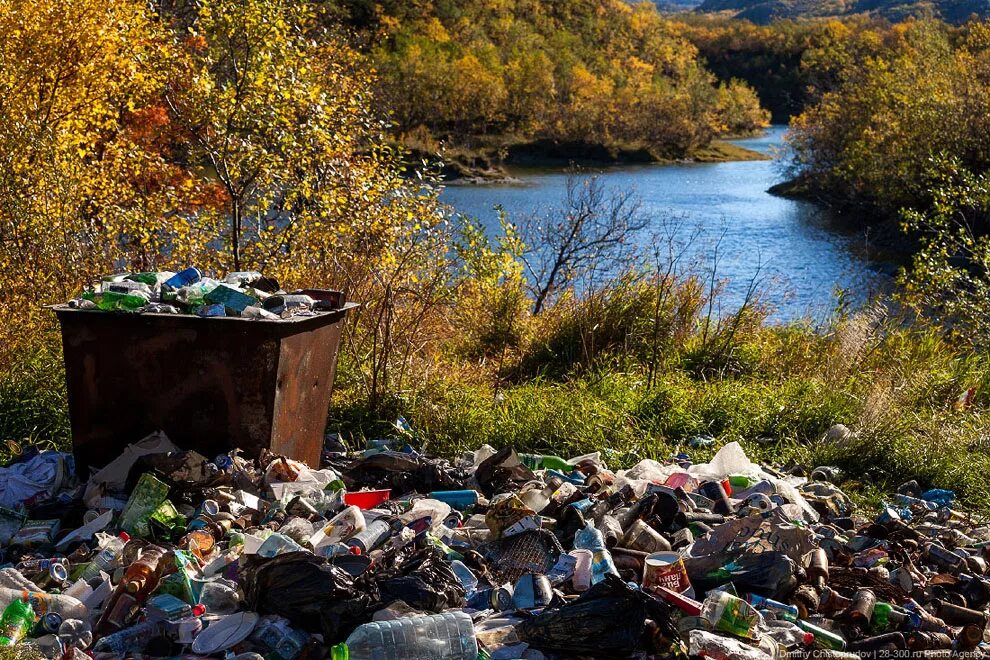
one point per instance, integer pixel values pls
(85, 187)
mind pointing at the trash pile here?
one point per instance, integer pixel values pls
(245, 294)
(391, 553)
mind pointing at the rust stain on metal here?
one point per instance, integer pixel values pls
(211, 384)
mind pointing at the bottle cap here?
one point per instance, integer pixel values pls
(124, 536)
(198, 609)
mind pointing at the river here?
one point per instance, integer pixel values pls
(799, 260)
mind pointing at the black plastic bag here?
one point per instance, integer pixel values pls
(502, 473)
(404, 473)
(769, 574)
(424, 581)
(608, 620)
(312, 594)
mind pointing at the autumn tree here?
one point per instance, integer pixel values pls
(87, 183)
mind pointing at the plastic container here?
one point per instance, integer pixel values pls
(447, 636)
(367, 499)
(582, 569)
(465, 576)
(341, 527)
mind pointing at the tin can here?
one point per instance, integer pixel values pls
(56, 575)
(50, 623)
(492, 598)
(665, 569)
(39, 565)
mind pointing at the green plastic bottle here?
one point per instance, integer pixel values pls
(110, 301)
(730, 614)
(824, 639)
(15, 623)
(545, 462)
(151, 278)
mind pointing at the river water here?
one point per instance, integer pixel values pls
(789, 246)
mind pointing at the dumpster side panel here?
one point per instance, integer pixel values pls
(209, 387)
(307, 364)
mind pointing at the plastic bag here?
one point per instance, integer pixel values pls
(425, 581)
(311, 593)
(404, 473)
(608, 620)
(502, 473)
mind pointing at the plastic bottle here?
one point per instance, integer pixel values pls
(545, 462)
(68, 607)
(377, 532)
(75, 633)
(182, 278)
(142, 575)
(780, 610)
(449, 636)
(129, 640)
(15, 622)
(730, 614)
(708, 645)
(465, 576)
(111, 547)
(788, 634)
(220, 596)
(590, 538)
(112, 300)
(11, 578)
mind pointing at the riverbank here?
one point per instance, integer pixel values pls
(791, 245)
(883, 234)
(488, 161)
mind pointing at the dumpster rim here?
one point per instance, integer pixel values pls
(64, 308)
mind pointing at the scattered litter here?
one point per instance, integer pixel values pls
(389, 553)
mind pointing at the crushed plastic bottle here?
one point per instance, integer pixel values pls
(449, 636)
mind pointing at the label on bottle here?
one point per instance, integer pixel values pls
(735, 616)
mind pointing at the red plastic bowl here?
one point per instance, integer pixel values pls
(367, 499)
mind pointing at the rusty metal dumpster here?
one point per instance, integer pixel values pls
(211, 384)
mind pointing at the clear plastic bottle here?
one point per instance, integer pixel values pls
(590, 538)
(75, 633)
(111, 548)
(465, 576)
(787, 633)
(129, 640)
(447, 636)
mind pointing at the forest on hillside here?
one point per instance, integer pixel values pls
(592, 72)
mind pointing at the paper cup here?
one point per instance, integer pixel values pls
(665, 569)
